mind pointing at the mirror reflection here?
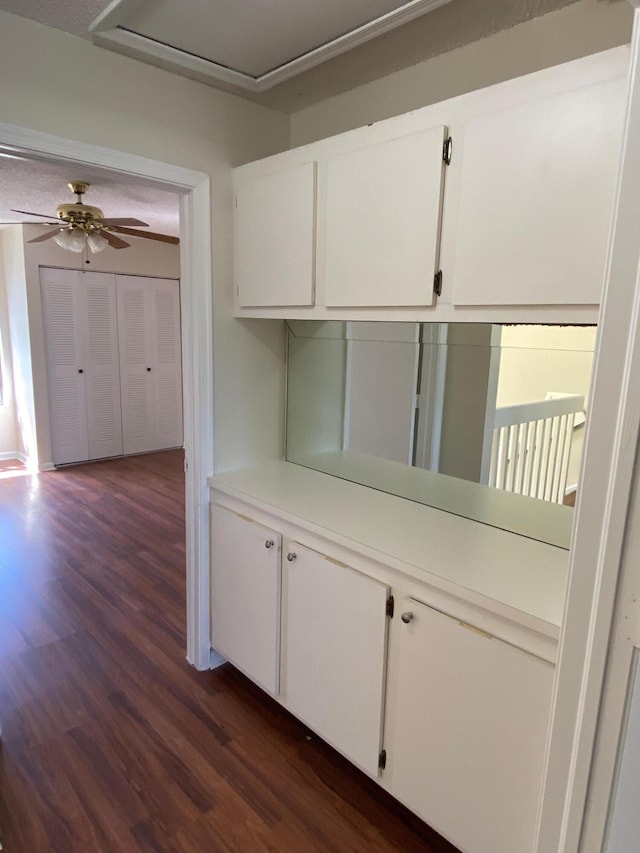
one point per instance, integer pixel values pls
(483, 420)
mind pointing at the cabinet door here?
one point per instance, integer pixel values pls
(471, 721)
(64, 336)
(245, 595)
(383, 222)
(537, 189)
(275, 238)
(335, 628)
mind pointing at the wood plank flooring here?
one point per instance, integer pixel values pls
(110, 740)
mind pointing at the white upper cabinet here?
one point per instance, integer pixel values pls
(382, 222)
(355, 226)
(536, 196)
(275, 238)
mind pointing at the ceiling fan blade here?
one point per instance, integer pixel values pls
(29, 213)
(150, 235)
(46, 236)
(59, 224)
(125, 221)
(113, 241)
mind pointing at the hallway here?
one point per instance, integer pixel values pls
(110, 740)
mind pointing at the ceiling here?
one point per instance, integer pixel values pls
(287, 54)
(39, 187)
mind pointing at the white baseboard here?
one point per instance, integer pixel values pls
(216, 659)
(21, 457)
(27, 461)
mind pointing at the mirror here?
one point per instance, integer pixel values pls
(482, 420)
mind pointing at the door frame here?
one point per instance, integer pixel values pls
(197, 338)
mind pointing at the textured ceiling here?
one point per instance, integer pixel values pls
(40, 187)
(72, 16)
(453, 25)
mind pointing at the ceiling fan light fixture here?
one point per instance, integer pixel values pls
(97, 242)
(71, 239)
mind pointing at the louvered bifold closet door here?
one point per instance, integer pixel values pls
(166, 373)
(150, 362)
(64, 336)
(102, 372)
(136, 355)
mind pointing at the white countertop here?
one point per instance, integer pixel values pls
(512, 575)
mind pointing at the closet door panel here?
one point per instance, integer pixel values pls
(166, 370)
(102, 373)
(63, 328)
(135, 357)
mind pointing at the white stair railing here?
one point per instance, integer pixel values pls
(532, 445)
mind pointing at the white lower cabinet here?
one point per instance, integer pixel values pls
(450, 719)
(334, 652)
(470, 722)
(245, 595)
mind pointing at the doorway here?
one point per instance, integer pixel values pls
(193, 188)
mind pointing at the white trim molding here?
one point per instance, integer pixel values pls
(602, 517)
(109, 30)
(197, 336)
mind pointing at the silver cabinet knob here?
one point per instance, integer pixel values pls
(407, 617)
(269, 544)
(291, 556)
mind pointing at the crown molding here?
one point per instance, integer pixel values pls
(109, 30)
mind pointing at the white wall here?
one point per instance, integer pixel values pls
(577, 30)
(625, 823)
(315, 388)
(8, 426)
(12, 261)
(60, 84)
(538, 359)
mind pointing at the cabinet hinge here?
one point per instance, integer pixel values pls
(390, 606)
(382, 759)
(437, 283)
(447, 150)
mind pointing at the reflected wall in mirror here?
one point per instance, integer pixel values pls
(426, 410)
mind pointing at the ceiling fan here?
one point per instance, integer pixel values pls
(80, 224)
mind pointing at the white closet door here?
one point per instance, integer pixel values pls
(102, 370)
(150, 363)
(64, 332)
(166, 370)
(135, 338)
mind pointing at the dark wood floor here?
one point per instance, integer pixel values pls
(110, 741)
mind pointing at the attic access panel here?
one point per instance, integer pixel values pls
(252, 43)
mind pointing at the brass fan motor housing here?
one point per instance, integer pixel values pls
(84, 215)
(79, 214)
